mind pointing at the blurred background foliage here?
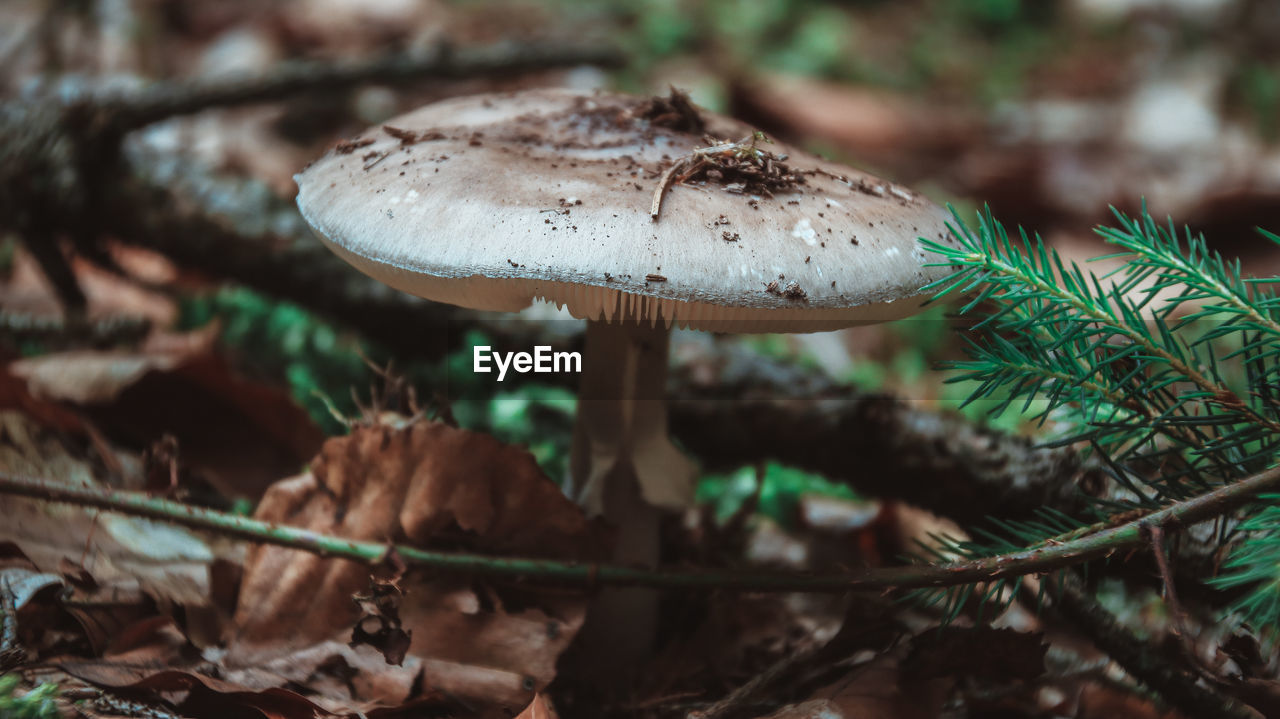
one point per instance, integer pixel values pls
(1047, 110)
(35, 704)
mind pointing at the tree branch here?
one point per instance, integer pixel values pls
(131, 110)
(59, 151)
(259, 240)
(886, 447)
(1046, 558)
(1138, 659)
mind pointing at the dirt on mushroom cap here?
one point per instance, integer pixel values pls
(481, 224)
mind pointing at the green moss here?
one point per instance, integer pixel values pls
(1258, 86)
(779, 496)
(321, 365)
(317, 363)
(8, 246)
(36, 704)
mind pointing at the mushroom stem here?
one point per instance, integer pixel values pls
(622, 418)
(625, 468)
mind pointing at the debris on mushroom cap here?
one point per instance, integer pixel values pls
(493, 201)
(740, 167)
(674, 111)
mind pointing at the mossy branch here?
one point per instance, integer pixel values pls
(162, 100)
(1135, 656)
(1046, 558)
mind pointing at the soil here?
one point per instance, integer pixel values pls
(674, 112)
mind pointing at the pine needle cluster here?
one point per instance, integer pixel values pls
(1166, 368)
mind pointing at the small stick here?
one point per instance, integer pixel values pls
(832, 175)
(1155, 534)
(1177, 686)
(1101, 543)
(697, 157)
(663, 182)
(742, 696)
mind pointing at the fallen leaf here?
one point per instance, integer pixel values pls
(238, 435)
(193, 695)
(14, 395)
(89, 376)
(379, 625)
(1261, 694)
(875, 689)
(27, 291)
(978, 652)
(430, 485)
(18, 586)
(124, 556)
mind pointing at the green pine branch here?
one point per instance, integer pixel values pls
(1168, 368)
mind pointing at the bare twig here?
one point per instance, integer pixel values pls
(1136, 657)
(880, 445)
(1156, 536)
(759, 170)
(1051, 556)
(56, 269)
(289, 79)
(745, 696)
(1155, 533)
(665, 179)
(59, 151)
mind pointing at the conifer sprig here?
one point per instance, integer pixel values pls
(1168, 367)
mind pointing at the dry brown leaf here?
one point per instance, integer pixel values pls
(88, 376)
(875, 689)
(19, 584)
(193, 695)
(27, 291)
(14, 395)
(126, 557)
(239, 435)
(1261, 694)
(433, 485)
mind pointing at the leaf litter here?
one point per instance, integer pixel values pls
(245, 435)
(314, 637)
(427, 485)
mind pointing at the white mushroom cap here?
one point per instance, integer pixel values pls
(493, 201)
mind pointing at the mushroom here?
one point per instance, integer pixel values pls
(634, 214)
